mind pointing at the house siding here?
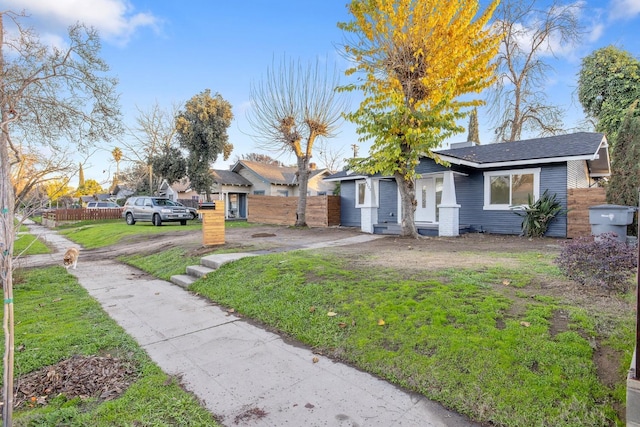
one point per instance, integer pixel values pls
(388, 202)
(349, 214)
(470, 195)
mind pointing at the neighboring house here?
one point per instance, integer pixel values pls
(480, 187)
(247, 177)
(233, 189)
(273, 180)
(165, 190)
(120, 193)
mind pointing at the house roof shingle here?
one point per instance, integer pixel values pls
(227, 177)
(273, 174)
(560, 146)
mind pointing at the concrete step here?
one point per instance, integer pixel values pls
(216, 260)
(183, 280)
(198, 270)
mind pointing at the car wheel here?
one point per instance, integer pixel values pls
(130, 220)
(156, 220)
(183, 222)
(194, 215)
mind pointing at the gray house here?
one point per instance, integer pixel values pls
(479, 186)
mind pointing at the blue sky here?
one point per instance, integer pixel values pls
(167, 51)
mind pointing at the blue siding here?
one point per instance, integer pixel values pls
(349, 214)
(388, 201)
(430, 166)
(470, 195)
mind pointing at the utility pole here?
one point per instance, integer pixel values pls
(355, 150)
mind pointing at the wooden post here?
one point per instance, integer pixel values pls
(213, 224)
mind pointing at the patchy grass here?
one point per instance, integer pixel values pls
(164, 264)
(482, 341)
(55, 319)
(28, 244)
(98, 234)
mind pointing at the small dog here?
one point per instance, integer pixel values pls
(71, 258)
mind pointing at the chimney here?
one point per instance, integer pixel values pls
(312, 166)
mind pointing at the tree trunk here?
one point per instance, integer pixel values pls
(408, 205)
(7, 235)
(303, 185)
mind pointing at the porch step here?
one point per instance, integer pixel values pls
(198, 270)
(207, 265)
(217, 260)
(183, 280)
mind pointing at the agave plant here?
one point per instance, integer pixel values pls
(538, 215)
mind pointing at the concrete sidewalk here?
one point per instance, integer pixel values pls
(242, 373)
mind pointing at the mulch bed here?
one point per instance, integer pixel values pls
(104, 378)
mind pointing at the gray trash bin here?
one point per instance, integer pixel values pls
(611, 219)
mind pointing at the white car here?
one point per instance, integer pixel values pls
(102, 205)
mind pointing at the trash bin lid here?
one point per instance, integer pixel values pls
(613, 207)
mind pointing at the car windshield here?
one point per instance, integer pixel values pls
(163, 202)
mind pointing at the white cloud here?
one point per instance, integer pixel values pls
(624, 9)
(115, 20)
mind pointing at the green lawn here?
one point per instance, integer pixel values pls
(452, 335)
(28, 244)
(98, 234)
(55, 319)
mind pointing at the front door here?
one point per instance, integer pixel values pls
(428, 197)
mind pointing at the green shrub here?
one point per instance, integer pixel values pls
(538, 215)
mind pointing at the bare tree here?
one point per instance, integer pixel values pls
(32, 168)
(292, 107)
(153, 134)
(46, 94)
(329, 157)
(518, 100)
(259, 158)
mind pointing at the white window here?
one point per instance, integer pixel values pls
(505, 189)
(361, 193)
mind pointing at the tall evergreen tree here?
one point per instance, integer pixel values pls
(80, 176)
(474, 131)
(625, 164)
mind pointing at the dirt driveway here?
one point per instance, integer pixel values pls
(436, 251)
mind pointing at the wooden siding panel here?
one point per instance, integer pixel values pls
(388, 202)
(578, 201)
(349, 214)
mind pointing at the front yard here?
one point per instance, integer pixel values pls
(486, 325)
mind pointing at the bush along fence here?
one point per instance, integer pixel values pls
(322, 211)
(56, 217)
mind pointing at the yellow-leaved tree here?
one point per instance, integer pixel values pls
(417, 59)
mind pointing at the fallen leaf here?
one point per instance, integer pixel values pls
(506, 282)
(231, 310)
(525, 324)
(381, 322)
(332, 314)
(315, 360)
(57, 300)
(342, 325)
(312, 309)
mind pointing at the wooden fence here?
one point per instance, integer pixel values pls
(578, 202)
(55, 217)
(322, 211)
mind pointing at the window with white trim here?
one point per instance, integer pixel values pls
(361, 192)
(506, 189)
